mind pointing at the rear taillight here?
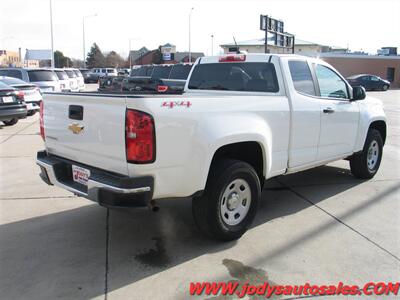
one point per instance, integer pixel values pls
(139, 137)
(41, 121)
(20, 95)
(162, 88)
(232, 58)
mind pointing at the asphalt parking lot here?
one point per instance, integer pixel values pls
(320, 226)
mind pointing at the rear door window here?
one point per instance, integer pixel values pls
(161, 72)
(180, 72)
(301, 76)
(11, 73)
(42, 75)
(249, 77)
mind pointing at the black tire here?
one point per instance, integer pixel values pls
(11, 122)
(207, 208)
(385, 87)
(359, 162)
(31, 113)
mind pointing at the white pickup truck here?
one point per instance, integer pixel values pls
(242, 120)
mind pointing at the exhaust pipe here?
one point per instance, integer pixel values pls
(153, 206)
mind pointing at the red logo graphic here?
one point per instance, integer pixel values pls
(172, 104)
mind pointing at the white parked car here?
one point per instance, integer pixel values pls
(45, 79)
(63, 79)
(243, 119)
(73, 80)
(80, 80)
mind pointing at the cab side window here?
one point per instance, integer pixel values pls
(330, 84)
(301, 76)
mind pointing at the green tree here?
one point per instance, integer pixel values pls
(61, 61)
(113, 59)
(95, 58)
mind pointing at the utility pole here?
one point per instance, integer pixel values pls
(83, 37)
(51, 32)
(212, 45)
(190, 50)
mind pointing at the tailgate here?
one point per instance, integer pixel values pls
(89, 129)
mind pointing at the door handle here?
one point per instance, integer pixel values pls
(328, 110)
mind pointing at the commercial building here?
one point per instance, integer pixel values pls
(301, 47)
(10, 58)
(386, 67)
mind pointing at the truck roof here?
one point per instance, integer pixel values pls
(249, 57)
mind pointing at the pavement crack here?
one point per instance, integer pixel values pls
(339, 220)
(106, 259)
(11, 136)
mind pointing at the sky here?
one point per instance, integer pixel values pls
(365, 25)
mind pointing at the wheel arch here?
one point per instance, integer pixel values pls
(380, 125)
(251, 152)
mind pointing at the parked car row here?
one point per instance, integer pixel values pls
(148, 79)
(49, 80)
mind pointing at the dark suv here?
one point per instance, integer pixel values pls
(12, 106)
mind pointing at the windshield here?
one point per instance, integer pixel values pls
(77, 73)
(42, 75)
(161, 71)
(180, 72)
(61, 75)
(70, 73)
(250, 77)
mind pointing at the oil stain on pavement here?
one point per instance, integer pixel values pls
(244, 275)
(157, 257)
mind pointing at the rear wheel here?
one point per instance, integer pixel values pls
(11, 122)
(365, 164)
(31, 113)
(229, 203)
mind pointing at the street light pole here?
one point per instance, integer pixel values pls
(190, 50)
(83, 37)
(212, 45)
(51, 32)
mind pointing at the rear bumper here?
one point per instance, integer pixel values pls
(106, 188)
(12, 111)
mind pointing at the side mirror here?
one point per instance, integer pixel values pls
(358, 93)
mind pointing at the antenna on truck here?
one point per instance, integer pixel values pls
(237, 47)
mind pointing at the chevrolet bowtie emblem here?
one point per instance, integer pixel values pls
(76, 128)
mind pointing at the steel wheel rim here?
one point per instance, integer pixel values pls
(235, 202)
(373, 155)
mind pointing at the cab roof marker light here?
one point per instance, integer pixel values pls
(232, 58)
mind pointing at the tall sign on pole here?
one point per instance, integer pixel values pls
(275, 34)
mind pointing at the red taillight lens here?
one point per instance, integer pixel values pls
(139, 137)
(232, 58)
(20, 95)
(41, 121)
(162, 88)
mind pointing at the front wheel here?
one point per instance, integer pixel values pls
(385, 87)
(365, 164)
(229, 203)
(11, 122)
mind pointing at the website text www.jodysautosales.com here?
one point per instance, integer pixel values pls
(269, 290)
